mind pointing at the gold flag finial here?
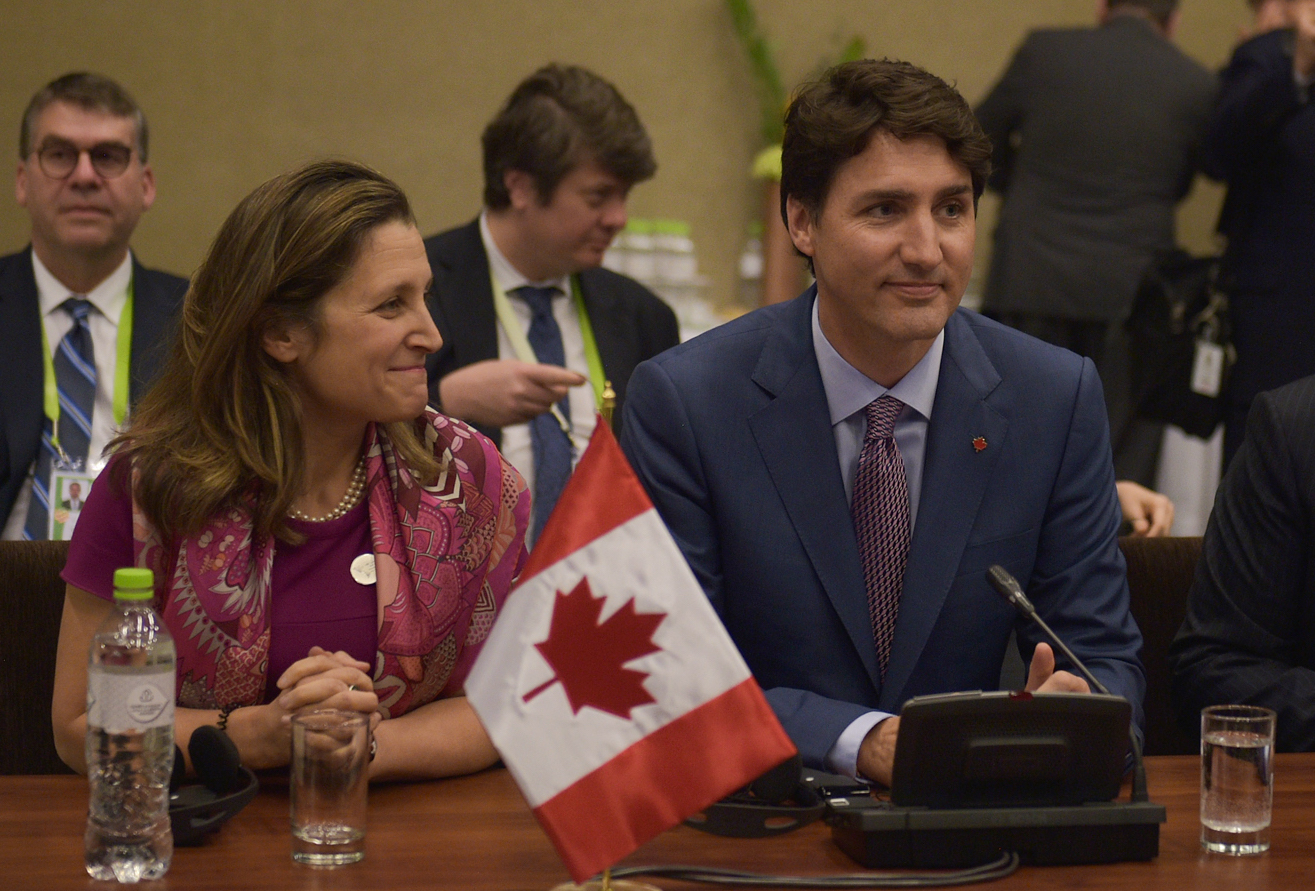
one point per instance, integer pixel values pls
(609, 402)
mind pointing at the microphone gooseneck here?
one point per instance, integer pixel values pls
(1010, 590)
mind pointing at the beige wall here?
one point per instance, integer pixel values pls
(238, 90)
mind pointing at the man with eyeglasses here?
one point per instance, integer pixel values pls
(82, 323)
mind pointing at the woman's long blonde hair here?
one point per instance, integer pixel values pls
(221, 427)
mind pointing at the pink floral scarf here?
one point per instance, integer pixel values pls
(445, 557)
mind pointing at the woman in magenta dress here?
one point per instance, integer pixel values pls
(320, 536)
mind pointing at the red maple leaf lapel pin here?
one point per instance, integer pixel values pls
(589, 657)
(979, 444)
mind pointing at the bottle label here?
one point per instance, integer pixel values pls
(119, 703)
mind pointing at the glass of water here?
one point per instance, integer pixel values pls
(328, 783)
(1237, 778)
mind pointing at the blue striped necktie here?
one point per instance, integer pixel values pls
(551, 444)
(75, 380)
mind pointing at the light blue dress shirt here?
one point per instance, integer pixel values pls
(848, 392)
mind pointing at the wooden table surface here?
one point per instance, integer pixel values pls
(476, 833)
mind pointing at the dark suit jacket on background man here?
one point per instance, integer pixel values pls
(1249, 634)
(156, 296)
(1262, 143)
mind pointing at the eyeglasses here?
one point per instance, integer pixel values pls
(59, 157)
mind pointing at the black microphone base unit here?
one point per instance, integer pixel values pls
(877, 834)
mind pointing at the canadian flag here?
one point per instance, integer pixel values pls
(608, 685)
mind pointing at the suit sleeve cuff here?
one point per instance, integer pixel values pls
(1303, 84)
(842, 757)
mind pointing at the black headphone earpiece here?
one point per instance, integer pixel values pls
(216, 759)
(779, 783)
(777, 802)
(199, 808)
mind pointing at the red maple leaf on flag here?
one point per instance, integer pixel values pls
(589, 657)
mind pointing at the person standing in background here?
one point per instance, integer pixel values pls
(1266, 16)
(1261, 143)
(1096, 135)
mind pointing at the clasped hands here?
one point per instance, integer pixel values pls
(321, 680)
(876, 755)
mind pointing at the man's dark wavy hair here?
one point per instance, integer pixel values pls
(834, 118)
(558, 117)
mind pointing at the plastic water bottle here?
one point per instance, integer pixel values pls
(130, 737)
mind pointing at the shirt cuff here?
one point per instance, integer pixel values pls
(842, 757)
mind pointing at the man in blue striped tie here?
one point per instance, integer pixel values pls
(83, 323)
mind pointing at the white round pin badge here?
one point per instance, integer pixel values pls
(363, 569)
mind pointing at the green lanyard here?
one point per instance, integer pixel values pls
(122, 346)
(520, 344)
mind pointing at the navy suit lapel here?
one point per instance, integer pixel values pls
(20, 316)
(156, 301)
(601, 306)
(464, 294)
(793, 433)
(955, 476)
(21, 411)
(462, 306)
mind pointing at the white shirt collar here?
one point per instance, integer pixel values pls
(506, 275)
(108, 297)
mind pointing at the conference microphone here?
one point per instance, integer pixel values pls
(1010, 590)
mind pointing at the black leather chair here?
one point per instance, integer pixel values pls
(32, 600)
(1160, 572)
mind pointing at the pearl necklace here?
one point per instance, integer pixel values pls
(350, 498)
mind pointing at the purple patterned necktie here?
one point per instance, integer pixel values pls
(881, 520)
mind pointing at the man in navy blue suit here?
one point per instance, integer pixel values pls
(753, 438)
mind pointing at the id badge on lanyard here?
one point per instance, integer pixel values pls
(68, 491)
